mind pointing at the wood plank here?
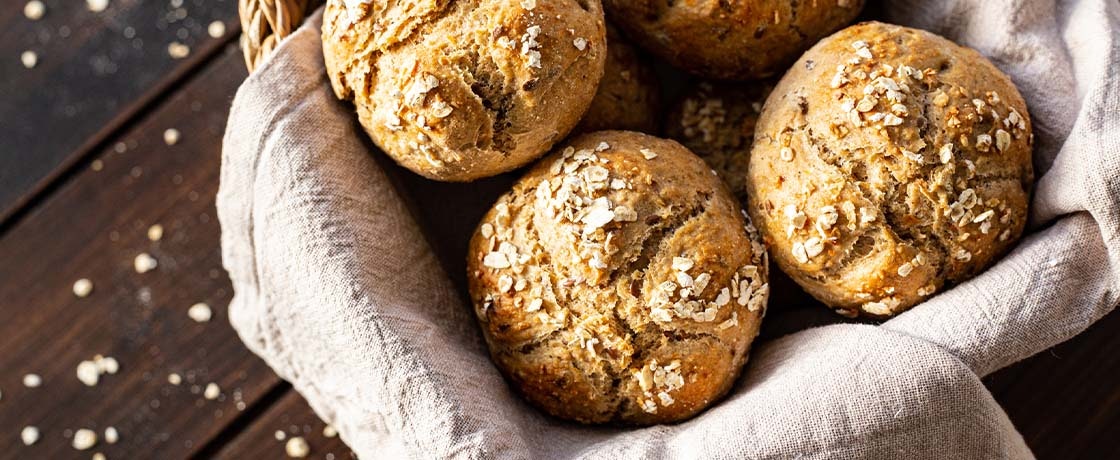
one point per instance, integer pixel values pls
(95, 71)
(292, 416)
(1066, 400)
(93, 227)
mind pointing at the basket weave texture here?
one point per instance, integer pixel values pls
(265, 23)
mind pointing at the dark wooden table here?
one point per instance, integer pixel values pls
(85, 172)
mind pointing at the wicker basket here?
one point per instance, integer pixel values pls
(265, 23)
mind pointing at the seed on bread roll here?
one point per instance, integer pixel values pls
(743, 39)
(618, 282)
(716, 121)
(456, 91)
(888, 163)
(629, 94)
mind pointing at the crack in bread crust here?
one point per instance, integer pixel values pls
(577, 331)
(409, 68)
(902, 163)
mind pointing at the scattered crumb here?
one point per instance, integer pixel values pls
(111, 435)
(171, 136)
(212, 391)
(97, 5)
(29, 435)
(174, 378)
(155, 232)
(144, 263)
(29, 59)
(329, 431)
(107, 364)
(32, 380)
(178, 50)
(83, 287)
(88, 373)
(34, 10)
(280, 435)
(84, 439)
(216, 29)
(199, 312)
(98, 456)
(97, 165)
(297, 447)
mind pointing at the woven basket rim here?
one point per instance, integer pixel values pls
(265, 23)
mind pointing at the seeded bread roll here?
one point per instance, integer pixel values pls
(887, 163)
(618, 282)
(629, 95)
(716, 121)
(745, 39)
(461, 90)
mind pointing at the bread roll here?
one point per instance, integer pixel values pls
(629, 95)
(887, 163)
(457, 91)
(618, 282)
(743, 39)
(716, 121)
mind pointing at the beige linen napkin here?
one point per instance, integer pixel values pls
(337, 289)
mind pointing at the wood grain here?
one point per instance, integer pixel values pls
(96, 71)
(93, 227)
(293, 417)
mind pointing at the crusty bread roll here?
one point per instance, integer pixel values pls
(460, 90)
(716, 122)
(743, 39)
(629, 94)
(887, 163)
(618, 282)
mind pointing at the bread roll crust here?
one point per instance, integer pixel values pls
(618, 282)
(746, 39)
(459, 90)
(629, 94)
(889, 162)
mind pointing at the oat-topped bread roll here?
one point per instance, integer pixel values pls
(716, 121)
(629, 94)
(458, 90)
(742, 39)
(887, 163)
(618, 282)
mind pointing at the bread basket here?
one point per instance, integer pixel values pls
(339, 292)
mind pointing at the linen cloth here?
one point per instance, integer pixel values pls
(338, 291)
